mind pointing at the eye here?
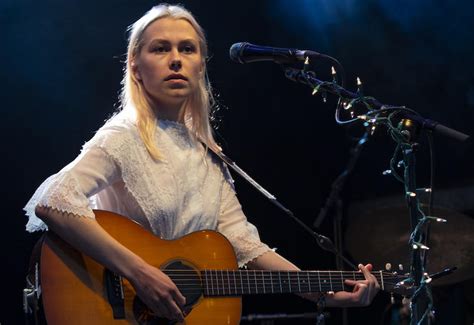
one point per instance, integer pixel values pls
(189, 49)
(159, 49)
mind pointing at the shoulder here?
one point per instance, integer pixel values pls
(118, 131)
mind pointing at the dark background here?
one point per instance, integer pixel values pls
(61, 66)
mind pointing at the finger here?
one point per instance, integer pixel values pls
(158, 309)
(163, 311)
(363, 293)
(351, 282)
(179, 298)
(373, 283)
(174, 311)
(366, 270)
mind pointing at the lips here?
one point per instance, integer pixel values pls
(176, 76)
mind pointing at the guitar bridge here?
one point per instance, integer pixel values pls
(114, 288)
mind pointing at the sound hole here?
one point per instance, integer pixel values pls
(188, 281)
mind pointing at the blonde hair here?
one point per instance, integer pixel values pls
(198, 107)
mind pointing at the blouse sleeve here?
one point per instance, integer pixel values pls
(69, 189)
(233, 224)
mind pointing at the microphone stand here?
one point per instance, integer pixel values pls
(405, 136)
(335, 199)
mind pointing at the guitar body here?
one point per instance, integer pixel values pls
(73, 289)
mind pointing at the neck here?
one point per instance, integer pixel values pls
(239, 282)
(172, 111)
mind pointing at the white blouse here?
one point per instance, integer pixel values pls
(188, 190)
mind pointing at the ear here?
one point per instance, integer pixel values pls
(136, 71)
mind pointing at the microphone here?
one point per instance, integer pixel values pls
(246, 53)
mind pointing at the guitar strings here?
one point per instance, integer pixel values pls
(240, 282)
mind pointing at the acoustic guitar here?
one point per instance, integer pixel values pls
(76, 290)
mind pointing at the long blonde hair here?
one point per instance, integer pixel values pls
(198, 107)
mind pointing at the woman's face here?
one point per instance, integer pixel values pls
(169, 63)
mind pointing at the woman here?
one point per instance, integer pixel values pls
(148, 163)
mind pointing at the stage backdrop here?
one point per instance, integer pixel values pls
(61, 67)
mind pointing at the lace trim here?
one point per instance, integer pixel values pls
(178, 134)
(61, 192)
(247, 244)
(126, 149)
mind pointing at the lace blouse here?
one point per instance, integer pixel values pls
(188, 190)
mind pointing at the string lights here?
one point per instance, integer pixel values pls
(373, 114)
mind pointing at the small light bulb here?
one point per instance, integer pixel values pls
(333, 71)
(428, 189)
(352, 114)
(362, 117)
(412, 194)
(441, 220)
(315, 90)
(388, 266)
(415, 246)
(359, 83)
(386, 172)
(306, 61)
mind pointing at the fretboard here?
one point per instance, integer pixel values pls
(242, 282)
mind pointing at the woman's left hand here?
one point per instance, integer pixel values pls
(362, 295)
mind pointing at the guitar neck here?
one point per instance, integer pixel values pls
(243, 282)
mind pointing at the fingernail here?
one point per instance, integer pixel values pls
(360, 266)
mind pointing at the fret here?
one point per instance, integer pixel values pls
(228, 281)
(298, 278)
(217, 282)
(235, 282)
(279, 278)
(212, 283)
(342, 281)
(309, 282)
(241, 282)
(381, 280)
(256, 284)
(263, 281)
(289, 282)
(223, 284)
(248, 281)
(319, 281)
(207, 282)
(330, 280)
(271, 280)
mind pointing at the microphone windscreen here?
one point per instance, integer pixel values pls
(235, 52)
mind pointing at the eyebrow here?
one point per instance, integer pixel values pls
(162, 40)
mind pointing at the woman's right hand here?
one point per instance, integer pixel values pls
(153, 287)
(159, 293)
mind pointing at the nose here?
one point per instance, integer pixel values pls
(175, 65)
(175, 61)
